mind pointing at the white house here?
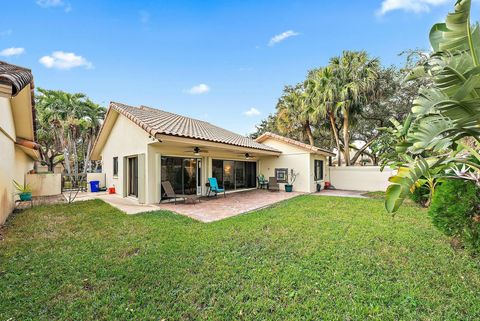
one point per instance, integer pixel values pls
(141, 146)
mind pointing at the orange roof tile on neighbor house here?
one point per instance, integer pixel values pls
(310, 148)
(159, 122)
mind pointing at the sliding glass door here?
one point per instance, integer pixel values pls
(234, 174)
(181, 173)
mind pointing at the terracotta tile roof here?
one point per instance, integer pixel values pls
(15, 76)
(156, 121)
(310, 148)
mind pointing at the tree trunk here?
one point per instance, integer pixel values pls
(361, 150)
(337, 140)
(346, 139)
(308, 130)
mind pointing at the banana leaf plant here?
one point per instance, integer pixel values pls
(445, 113)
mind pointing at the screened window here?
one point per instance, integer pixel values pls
(115, 166)
(318, 167)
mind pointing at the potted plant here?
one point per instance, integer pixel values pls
(24, 191)
(290, 180)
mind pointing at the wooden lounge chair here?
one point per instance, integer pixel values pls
(273, 184)
(167, 186)
(214, 187)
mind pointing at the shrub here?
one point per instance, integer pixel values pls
(455, 210)
(420, 195)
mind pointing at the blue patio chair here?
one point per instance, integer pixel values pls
(214, 187)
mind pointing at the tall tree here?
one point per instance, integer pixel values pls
(356, 75)
(294, 114)
(322, 89)
(74, 122)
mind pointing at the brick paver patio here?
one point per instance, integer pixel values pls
(217, 208)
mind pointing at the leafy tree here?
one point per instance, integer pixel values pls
(266, 125)
(294, 114)
(69, 125)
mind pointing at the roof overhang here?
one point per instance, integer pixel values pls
(109, 121)
(23, 113)
(113, 113)
(286, 140)
(28, 147)
(206, 143)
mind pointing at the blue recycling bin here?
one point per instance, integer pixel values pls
(94, 186)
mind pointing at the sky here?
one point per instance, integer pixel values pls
(225, 62)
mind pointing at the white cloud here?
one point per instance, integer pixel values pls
(65, 60)
(416, 6)
(12, 52)
(252, 112)
(281, 37)
(199, 89)
(5, 33)
(54, 3)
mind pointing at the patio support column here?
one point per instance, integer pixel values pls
(124, 178)
(141, 178)
(158, 177)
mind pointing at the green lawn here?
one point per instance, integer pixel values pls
(307, 258)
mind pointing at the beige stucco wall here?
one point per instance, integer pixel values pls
(125, 139)
(292, 157)
(360, 178)
(44, 184)
(14, 163)
(96, 177)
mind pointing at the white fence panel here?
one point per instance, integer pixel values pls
(360, 178)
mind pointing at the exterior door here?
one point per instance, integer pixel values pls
(133, 176)
(182, 173)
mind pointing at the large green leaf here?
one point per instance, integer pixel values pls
(427, 100)
(455, 34)
(430, 133)
(404, 182)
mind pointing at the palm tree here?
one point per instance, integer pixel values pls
(322, 90)
(355, 77)
(74, 121)
(294, 115)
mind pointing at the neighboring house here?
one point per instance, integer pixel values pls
(17, 132)
(141, 146)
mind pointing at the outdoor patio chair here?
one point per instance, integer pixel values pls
(262, 182)
(167, 186)
(273, 184)
(214, 187)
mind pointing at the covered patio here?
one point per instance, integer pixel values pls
(209, 209)
(212, 209)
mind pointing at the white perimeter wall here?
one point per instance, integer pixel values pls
(361, 178)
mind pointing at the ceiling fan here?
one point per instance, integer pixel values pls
(196, 151)
(249, 156)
